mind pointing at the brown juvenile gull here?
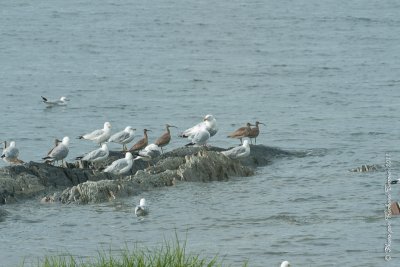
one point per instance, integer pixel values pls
(164, 139)
(142, 143)
(241, 132)
(255, 131)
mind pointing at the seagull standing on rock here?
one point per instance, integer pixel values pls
(59, 152)
(148, 153)
(98, 155)
(10, 153)
(141, 209)
(121, 166)
(123, 137)
(99, 136)
(209, 123)
(239, 151)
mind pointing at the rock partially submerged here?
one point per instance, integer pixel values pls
(85, 185)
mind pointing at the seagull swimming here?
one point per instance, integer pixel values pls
(285, 264)
(209, 123)
(141, 209)
(239, 151)
(51, 103)
(123, 137)
(121, 166)
(10, 153)
(59, 152)
(97, 155)
(99, 136)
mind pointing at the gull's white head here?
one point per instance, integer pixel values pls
(12, 144)
(285, 264)
(107, 125)
(142, 202)
(209, 118)
(246, 142)
(128, 155)
(64, 99)
(129, 129)
(65, 141)
(104, 147)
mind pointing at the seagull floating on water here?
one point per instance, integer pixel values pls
(123, 137)
(99, 136)
(285, 264)
(10, 153)
(164, 139)
(241, 132)
(59, 152)
(141, 209)
(121, 166)
(255, 131)
(51, 103)
(239, 151)
(97, 155)
(209, 123)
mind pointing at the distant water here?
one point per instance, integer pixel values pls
(323, 75)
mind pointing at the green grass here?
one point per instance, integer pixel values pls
(168, 255)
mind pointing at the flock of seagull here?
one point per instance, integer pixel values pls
(198, 135)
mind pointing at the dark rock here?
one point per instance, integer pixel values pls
(85, 185)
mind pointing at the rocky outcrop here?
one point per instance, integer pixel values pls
(85, 185)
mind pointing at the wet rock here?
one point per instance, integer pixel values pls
(85, 185)
(367, 168)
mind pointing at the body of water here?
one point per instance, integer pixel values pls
(323, 76)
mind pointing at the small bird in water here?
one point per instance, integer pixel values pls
(59, 152)
(10, 153)
(142, 143)
(99, 136)
(121, 166)
(239, 151)
(123, 137)
(241, 132)
(254, 132)
(285, 264)
(141, 209)
(51, 103)
(164, 139)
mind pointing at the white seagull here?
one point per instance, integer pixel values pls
(285, 264)
(199, 138)
(59, 152)
(10, 153)
(99, 136)
(121, 166)
(239, 151)
(51, 103)
(209, 123)
(123, 137)
(149, 152)
(96, 155)
(141, 209)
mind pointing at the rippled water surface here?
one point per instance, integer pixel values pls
(322, 75)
